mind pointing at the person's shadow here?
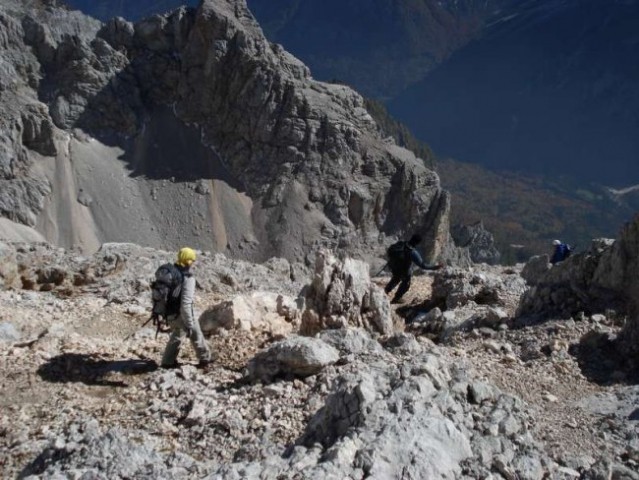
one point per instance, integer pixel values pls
(90, 369)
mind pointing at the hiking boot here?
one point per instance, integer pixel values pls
(171, 366)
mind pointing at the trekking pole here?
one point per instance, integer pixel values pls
(380, 272)
(151, 318)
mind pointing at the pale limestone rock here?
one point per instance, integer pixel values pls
(342, 294)
(295, 356)
(290, 163)
(257, 311)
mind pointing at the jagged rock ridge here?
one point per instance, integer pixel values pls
(192, 128)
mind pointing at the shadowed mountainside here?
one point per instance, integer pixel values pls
(550, 90)
(380, 47)
(144, 132)
(541, 88)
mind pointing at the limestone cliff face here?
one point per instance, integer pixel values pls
(619, 271)
(193, 128)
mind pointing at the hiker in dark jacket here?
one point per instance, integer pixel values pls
(401, 256)
(562, 251)
(184, 324)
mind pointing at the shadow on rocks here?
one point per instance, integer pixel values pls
(601, 362)
(92, 370)
(40, 463)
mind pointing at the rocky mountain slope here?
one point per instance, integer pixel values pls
(520, 211)
(524, 212)
(380, 47)
(533, 86)
(192, 128)
(543, 87)
(490, 372)
(549, 88)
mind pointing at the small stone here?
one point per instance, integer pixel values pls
(480, 392)
(492, 346)
(510, 359)
(569, 472)
(135, 310)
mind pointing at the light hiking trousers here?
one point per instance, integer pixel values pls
(178, 333)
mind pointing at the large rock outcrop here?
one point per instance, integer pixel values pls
(479, 241)
(191, 128)
(587, 281)
(604, 277)
(341, 295)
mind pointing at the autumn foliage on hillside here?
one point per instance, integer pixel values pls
(524, 213)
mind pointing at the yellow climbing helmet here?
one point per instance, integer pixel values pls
(186, 256)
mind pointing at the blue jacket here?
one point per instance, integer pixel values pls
(417, 260)
(561, 253)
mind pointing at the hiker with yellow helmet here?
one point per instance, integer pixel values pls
(181, 318)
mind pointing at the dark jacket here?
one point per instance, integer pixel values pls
(562, 251)
(400, 265)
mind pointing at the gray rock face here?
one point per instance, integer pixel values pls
(619, 271)
(421, 430)
(394, 416)
(454, 288)
(603, 277)
(479, 241)
(484, 297)
(258, 311)
(535, 269)
(296, 356)
(342, 294)
(290, 163)
(103, 455)
(591, 281)
(355, 341)
(403, 343)
(8, 266)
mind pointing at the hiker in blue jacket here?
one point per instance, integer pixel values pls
(562, 252)
(401, 256)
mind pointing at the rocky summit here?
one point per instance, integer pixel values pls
(191, 128)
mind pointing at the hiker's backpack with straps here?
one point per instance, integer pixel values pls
(399, 255)
(166, 290)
